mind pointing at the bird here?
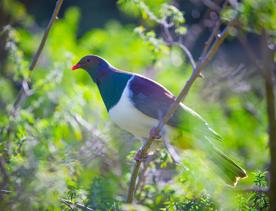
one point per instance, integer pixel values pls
(136, 103)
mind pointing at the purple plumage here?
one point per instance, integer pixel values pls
(153, 99)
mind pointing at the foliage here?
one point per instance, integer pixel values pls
(259, 14)
(62, 145)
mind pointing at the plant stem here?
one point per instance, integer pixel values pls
(23, 93)
(73, 206)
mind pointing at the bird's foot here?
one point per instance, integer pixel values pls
(139, 156)
(154, 133)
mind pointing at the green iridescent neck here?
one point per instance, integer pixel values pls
(111, 84)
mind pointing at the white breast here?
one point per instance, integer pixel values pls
(126, 116)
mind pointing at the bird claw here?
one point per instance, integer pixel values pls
(154, 133)
(139, 157)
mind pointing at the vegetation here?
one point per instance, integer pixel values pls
(60, 151)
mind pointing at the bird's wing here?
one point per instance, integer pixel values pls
(154, 100)
(151, 98)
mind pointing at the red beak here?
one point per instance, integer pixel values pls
(77, 66)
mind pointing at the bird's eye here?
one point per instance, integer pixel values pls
(88, 60)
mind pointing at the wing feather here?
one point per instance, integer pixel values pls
(154, 100)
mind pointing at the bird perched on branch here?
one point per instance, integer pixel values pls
(136, 104)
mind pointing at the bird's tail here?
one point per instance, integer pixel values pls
(230, 172)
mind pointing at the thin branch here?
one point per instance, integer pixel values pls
(214, 32)
(185, 49)
(187, 52)
(250, 52)
(45, 36)
(23, 92)
(203, 61)
(170, 41)
(135, 171)
(212, 5)
(142, 175)
(89, 129)
(146, 9)
(6, 191)
(211, 38)
(174, 155)
(3, 169)
(254, 189)
(73, 206)
(166, 26)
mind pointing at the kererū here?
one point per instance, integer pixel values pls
(136, 103)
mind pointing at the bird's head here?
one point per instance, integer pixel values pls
(91, 63)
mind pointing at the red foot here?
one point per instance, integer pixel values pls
(139, 157)
(154, 133)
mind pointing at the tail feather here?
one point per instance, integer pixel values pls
(206, 139)
(230, 172)
(226, 168)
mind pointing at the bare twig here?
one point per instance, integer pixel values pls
(203, 61)
(215, 31)
(170, 41)
(166, 26)
(211, 38)
(187, 52)
(6, 191)
(254, 189)
(175, 157)
(208, 43)
(74, 206)
(212, 5)
(83, 123)
(142, 176)
(45, 36)
(250, 52)
(4, 172)
(23, 94)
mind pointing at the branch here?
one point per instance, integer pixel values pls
(170, 41)
(267, 69)
(250, 52)
(5, 191)
(89, 129)
(187, 52)
(166, 26)
(23, 91)
(214, 32)
(185, 49)
(265, 66)
(5, 178)
(211, 38)
(203, 61)
(254, 189)
(212, 5)
(73, 206)
(45, 36)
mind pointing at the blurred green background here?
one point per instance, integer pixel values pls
(62, 144)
